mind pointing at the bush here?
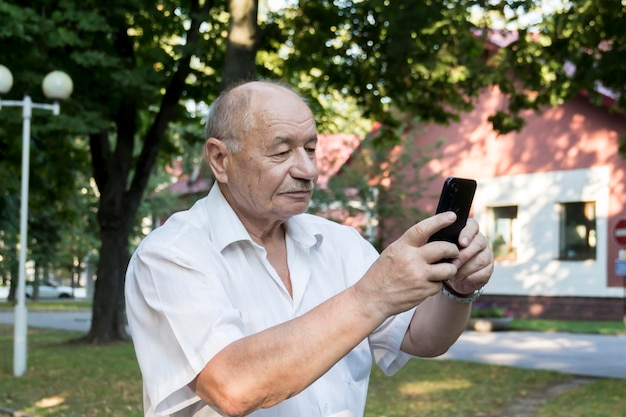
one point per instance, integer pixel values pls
(484, 310)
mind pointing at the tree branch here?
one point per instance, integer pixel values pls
(100, 153)
(169, 103)
(126, 116)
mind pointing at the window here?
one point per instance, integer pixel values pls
(577, 231)
(503, 232)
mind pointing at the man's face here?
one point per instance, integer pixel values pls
(271, 178)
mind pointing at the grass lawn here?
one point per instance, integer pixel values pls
(570, 326)
(604, 398)
(429, 388)
(56, 305)
(65, 379)
(452, 389)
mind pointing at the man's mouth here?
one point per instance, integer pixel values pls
(304, 187)
(297, 191)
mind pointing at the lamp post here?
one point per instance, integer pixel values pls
(57, 86)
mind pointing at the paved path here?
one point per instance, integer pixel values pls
(578, 354)
(75, 320)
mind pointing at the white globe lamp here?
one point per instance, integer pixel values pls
(6, 80)
(57, 85)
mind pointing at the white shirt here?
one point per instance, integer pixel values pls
(198, 283)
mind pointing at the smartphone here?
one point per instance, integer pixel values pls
(457, 196)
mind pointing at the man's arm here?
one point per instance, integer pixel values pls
(439, 320)
(266, 368)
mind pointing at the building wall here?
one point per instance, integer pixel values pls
(537, 269)
(565, 154)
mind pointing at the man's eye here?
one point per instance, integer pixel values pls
(310, 150)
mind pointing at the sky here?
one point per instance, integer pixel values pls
(547, 7)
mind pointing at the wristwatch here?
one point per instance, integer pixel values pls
(447, 290)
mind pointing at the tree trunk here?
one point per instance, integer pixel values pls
(116, 213)
(113, 171)
(242, 43)
(108, 321)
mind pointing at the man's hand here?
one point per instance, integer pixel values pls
(474, 262)
(409, 271)
(438, 321)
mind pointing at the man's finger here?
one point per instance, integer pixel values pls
(437, 251)
(419, 234)
(468, 232)
(442, 271)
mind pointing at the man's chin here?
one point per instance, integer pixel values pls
(298, 202)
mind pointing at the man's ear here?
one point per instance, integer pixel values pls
(216, 155)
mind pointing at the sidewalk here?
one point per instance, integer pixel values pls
(78, 320)
(578, 354)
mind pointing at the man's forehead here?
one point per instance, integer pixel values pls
(279, 140)
(265, 85)
(264, 93)
(274, 103)
(275, 110)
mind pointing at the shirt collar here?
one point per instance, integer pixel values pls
(303, 232)
(226, 228)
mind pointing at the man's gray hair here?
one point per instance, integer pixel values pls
(230, 118)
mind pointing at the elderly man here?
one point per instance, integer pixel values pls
(245, 305)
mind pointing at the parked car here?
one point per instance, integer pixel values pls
(50, 289)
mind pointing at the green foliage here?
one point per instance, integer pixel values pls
(489, 310)
(578, 48)
(122, 58)
(622, 144)
(420, 58)
(364, 185)
(569, 326)
(137, 66)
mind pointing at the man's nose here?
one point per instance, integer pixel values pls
(305, 165)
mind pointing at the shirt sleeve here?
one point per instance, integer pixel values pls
(385, 343)
(386, 340)
(176, 330)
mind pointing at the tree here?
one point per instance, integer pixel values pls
(52, 186)
(144, 59)
(242, 44)
(120, 174)
(137, 64)
(402, 63)
(360, 193)
(580, 48)
(139, 59)
(421, 58)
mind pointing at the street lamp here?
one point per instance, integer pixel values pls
(57, 85)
